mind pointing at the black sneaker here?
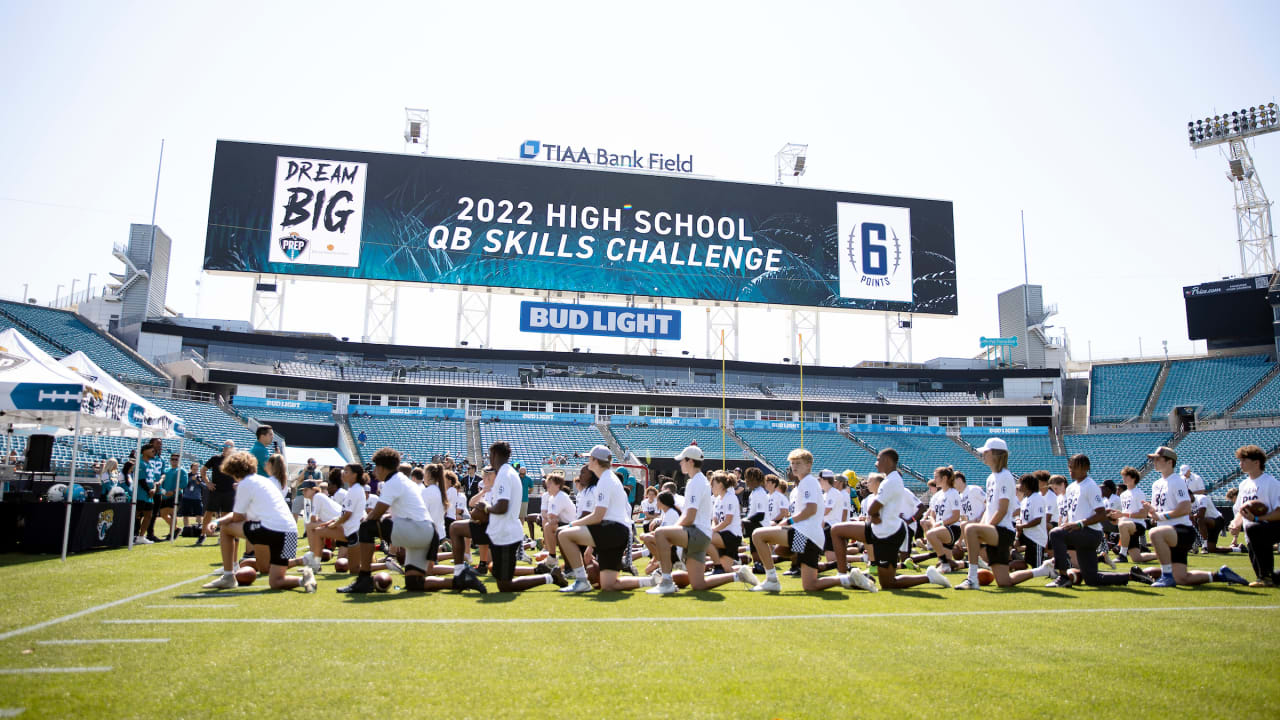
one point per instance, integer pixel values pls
(200, 540)
(793, 572)
(1121, 558)
(557, 577)
(468, 580)
(758, 568)
(1062, 581)
(482, 568)
(1137, 575)
(359, 586)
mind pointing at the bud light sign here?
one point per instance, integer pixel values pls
(565, 319)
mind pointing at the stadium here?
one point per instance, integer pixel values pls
(427, 353)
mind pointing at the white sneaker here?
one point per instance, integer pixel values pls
(1107, 559)
(678, 565)
(308, 580)
(392, 565)
(944, 567)
(745, 575)
(937, 578)
(983, 564)
(768, 586)
(1045, 569)
(226, 581)
(579, 586)
(966, 585)
(860, 580)
(141, 541)
(664, 587)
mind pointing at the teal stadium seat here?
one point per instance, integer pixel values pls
(1117, 393)
(69, 334)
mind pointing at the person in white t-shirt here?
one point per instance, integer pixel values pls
(1173, 537)
(693, 533)
(1049, 498)
(558, 510)
(779, 506)
(996, 532)
(1081, 531)
(649, 508)
(757, 512)
(1195, 483)
(944, 518)
(1210, 521)
(505, 532)
(1031, 520)
(726, 530)
(262, 518)
(605, 528)
(1131, 520)
(668, 516)
(1257, 510)
(834, 511)
(802, 533)
(320, 527)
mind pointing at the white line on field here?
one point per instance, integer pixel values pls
(709, 618)
(103, 641)
(11, 712)
(96, 608)
(200, 605)
(45, 671)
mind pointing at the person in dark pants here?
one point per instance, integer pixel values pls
(1082, 530)
(1257, 510)
(221, 487)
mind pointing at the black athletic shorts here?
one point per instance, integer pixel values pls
(221, 501)
(1135, 537)
(145, 506)
(749, 527)
(1186, 541)
(611, 540)
(806, 552)
(479, 533)
(886, 549)
(1215, 527)
(998, 554)
(164, 504)
(351, 541)
(503, 567)
(731, 543)
(956, 532)
(190, 508)
(448, 525)
(273, 539)
(1035, 553)
(826, 537)
(371, 530)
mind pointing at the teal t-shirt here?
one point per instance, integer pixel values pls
(175, 481)
(152, 475)
(526, 482)
(261, 453)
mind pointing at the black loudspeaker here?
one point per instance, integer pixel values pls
(39, 453)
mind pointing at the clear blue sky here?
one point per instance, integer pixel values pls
(1076, 114)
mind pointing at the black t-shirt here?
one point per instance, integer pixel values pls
(222, 482)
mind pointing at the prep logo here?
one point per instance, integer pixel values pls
(317, 214)
(292, 245)
(875, 252)
(529, 149)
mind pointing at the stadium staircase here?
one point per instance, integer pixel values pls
(905, 468)
(610, 439)
(476, 451)
(1149, 409)
(754, 454)
(964, 445)
(1257, 388)
(344, 428)
(1075, 400)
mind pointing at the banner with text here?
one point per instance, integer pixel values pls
(513, 416)
(663, 421)
(247, 401)
(384, 411)
(545, 317)
(903, 429)
(784, 425)
(277, 209)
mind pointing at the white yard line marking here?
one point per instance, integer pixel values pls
(11, 712)
(96, 608)
(200, 606)
(709, 618)
(103, 641)
(45, 671)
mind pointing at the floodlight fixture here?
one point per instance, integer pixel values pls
(791, 161)
(1236, 125)
(416, 129)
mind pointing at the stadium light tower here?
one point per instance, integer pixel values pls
(790, 160)
(1253, 209)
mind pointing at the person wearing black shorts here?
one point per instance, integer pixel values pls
(505, 531)
(1173, 536)
(606, 528)
(997, 530)
(460, 533)
(261, 517)
(221, 486)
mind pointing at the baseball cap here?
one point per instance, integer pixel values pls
(311, 461)
(1184, 468)
(693, 452)
(307, 485)
(827, 474)
(1165, 452)
(994, 444)
(601, 452)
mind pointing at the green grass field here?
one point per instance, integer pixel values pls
(1212, 651)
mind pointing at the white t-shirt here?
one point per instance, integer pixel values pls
(845, 504)
(586, 502)
(729, 507)
(1113, 503)
(1131, 502)
(866, 505)
(258, 498)
(1204, 502)
(324, 508)
(1195, 483)
(1050, 501)
(897, 501)
(758, 502)
(973, 503)
(1167, 494)
(1063, 510)
(340, 496)
(679, 501)
(1032, 507)
(808, 492)
(697, 495)
(353, 502)
(455, 501)
(831, 506)
(1265, 488)
(504, 528)
(1083, 499)
(562, 508)
(670, 517)
(944, 503)
(403, 497)
(777, 501)
(371, 500)
(1001, 486)
(613, 498)
(435, 507)
(647, 506)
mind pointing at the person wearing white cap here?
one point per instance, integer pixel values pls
(606, 528)
(693, 533)
(1195, 483)
(997, 531)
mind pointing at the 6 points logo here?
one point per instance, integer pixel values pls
(875, 252)
(529, 149)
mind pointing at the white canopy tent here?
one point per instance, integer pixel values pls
(296, 456)
(153, 421)
(36, 390)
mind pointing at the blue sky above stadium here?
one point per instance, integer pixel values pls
(1074, 114)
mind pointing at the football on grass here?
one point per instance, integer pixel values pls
(985, 577)
(326, 555)
(246, 575)
(340, 565)
(382, 581)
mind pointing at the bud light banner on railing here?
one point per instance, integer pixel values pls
(784, 425)
(643, 420)
(545, 317)
(531, 228)
(257, 402)
(386, 411)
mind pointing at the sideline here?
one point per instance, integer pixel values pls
(709, 618)
(45, 671)
(102, 641)
(96, 608)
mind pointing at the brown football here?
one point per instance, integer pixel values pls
(1256, 507)
(246, 575)
(479, 515)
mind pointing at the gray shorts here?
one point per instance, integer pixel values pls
(416, 537)
(699, 541)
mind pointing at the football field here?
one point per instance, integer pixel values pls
(122, 634)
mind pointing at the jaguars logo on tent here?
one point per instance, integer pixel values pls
(293, 245)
